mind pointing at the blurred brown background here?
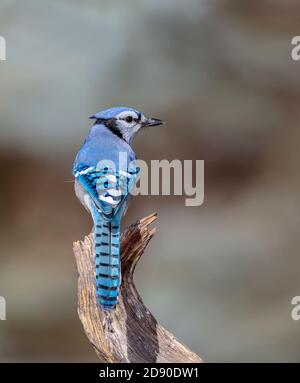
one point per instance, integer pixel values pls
(220, 276)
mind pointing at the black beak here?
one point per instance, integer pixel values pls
(152, 122)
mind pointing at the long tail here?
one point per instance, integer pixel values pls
(107, 261)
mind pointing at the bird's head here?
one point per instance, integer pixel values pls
(124, 122)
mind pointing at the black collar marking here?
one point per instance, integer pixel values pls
(109, 124)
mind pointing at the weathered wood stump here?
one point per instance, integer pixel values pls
(130, 333)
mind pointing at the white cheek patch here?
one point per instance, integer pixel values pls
(135, 129)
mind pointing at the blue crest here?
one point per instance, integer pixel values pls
(111, 113)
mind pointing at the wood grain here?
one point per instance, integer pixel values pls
(130, 333)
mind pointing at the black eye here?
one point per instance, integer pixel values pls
(129, 119)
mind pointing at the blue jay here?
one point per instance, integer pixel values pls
(105, 172)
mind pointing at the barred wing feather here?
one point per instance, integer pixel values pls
(107, 187)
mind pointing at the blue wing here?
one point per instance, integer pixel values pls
(108, 188)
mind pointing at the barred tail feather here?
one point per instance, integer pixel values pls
(107, 261)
